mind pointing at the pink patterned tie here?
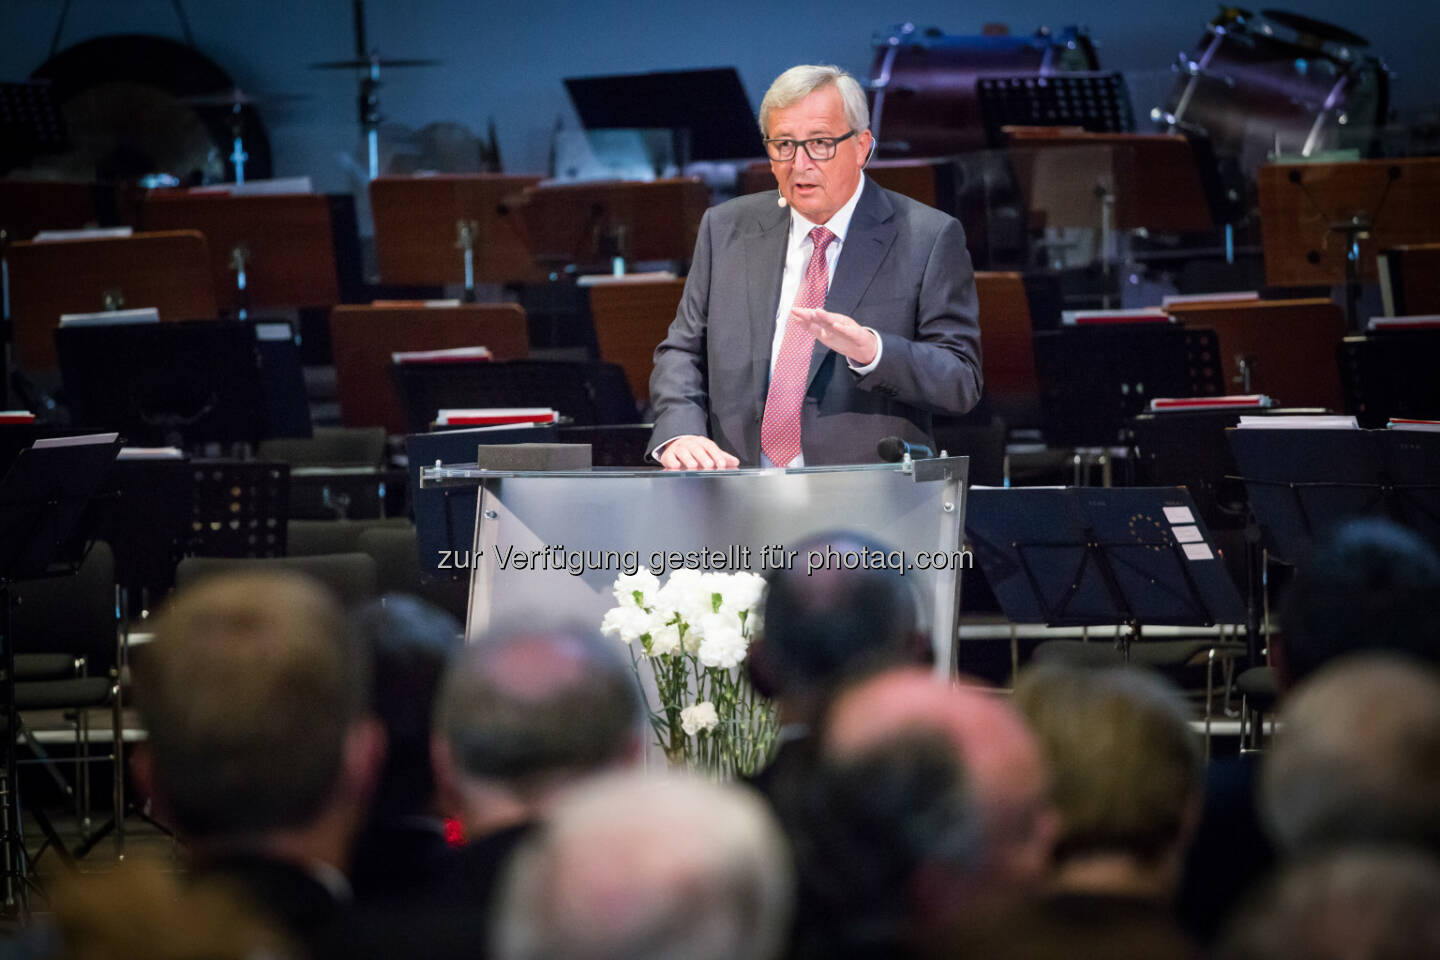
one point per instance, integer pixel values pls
(780, 428)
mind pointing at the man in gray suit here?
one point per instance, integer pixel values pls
(770, 363)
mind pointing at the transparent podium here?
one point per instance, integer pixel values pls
(549, 545)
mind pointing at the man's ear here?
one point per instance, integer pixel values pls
(447, 780)
(365, 746)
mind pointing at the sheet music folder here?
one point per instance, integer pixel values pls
(43, 498)
(1094, 556)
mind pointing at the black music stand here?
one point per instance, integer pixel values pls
(707, 109)
(1085, 556)
(1095, 102)
(445, 516)
(178, 384)
(588, 393)
(1303, 482)
(43, 499)
(240, 508)
(1391, 373)
(1094, 379)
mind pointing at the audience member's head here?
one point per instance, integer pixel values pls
(144, 913)
(1356, 904)
(823, 623)
(1001, 762)
(632, 867)
(523, 714)
(411, 643)
(1369, 586)
(1127, 774)
(254, 694)
(1357, 758)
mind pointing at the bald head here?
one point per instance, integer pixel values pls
(1001, 758)
(533, 706)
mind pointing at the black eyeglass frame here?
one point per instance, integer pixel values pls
(805, 145)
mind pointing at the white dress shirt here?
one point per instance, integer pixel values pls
(798, 249)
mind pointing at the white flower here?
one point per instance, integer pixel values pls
(700, 717)
(628, 584)
(631, 623)
(687, 592)
(664, 638)
(722, 645)
(742, 592)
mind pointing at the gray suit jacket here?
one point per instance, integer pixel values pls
(903, 271)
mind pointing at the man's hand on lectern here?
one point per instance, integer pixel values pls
(696, 453)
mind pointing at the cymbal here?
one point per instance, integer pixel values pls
(1318, 29)
(377, 61)
(235, 97)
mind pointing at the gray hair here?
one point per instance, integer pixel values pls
(797, 83)
(1356, 759)
(636, 867)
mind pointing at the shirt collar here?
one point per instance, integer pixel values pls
(839, 224)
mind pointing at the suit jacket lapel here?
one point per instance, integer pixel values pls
(868, 240)
(764, 263)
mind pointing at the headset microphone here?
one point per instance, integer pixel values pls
(781, 202)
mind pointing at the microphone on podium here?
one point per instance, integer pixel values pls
(893, 450)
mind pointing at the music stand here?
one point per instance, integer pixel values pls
(1094, 102)
(1282, 348)
(363, 339)
(30, 124)
(452, 229)
(1302, 482)
(173, 384)
(265, 250)
(591, 225)
(43, 498)
(240, 508)
(1391, 373)
(587, 393)
(1096, 557)
(707, 109)
(1324, 222)
(169, 271)
(1120, 370)
(445, 516)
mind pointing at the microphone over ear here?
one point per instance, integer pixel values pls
(874, 145)
(781, 202)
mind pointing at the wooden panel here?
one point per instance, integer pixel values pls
(631, 318)
(1007, 347)
(1415, 279)
(286, 238)
(29, 206)
(168, 271)
(417, 228)
(571, 223)
(363, 338)
(1289, 345)
(1300, 204)
(1154, 178)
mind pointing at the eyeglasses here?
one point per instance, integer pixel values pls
(816, 148)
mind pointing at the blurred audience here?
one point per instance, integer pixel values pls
(1357, 758)
(1370, 585)
(403, 844)
(1356, 904)
(1127, 781)
(649, 868)
(261, 751)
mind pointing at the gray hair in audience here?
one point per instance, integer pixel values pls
(636, 867)
(1126, 765)
(1357, 758)
(799, 82)
(524, 706)
(1355, 904)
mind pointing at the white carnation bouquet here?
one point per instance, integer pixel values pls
(694, 632)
